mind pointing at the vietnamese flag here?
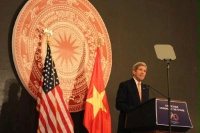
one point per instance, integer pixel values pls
(97, 117)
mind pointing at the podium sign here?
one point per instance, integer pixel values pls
(153, 116)
(179, 113)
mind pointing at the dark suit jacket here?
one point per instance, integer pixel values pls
(127, 99)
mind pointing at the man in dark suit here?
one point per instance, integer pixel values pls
(131, 93)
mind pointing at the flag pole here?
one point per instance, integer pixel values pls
(49, 33)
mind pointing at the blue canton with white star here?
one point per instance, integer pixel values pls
(49, 73)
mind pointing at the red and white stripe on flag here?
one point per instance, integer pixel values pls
(54, 116)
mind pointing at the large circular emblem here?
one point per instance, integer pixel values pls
(76, 27)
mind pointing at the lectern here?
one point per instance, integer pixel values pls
(152, 117)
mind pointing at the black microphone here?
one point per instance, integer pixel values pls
(151, 88)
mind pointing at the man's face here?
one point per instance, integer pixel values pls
(140, 73)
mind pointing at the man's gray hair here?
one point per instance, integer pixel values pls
(136, 65)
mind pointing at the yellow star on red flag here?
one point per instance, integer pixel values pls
(96, 101)
(97, 117)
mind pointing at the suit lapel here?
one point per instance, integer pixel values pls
(135, 89)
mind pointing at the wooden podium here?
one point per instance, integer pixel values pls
(152, 117)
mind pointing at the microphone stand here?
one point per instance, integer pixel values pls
(148, 86)
(168, 86)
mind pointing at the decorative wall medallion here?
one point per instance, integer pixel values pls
(76, 27)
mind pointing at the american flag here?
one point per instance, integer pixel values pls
(54, 116)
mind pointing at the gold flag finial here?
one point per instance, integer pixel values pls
(98, 42)
(48, 33)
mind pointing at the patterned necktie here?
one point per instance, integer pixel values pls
(139, 90)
